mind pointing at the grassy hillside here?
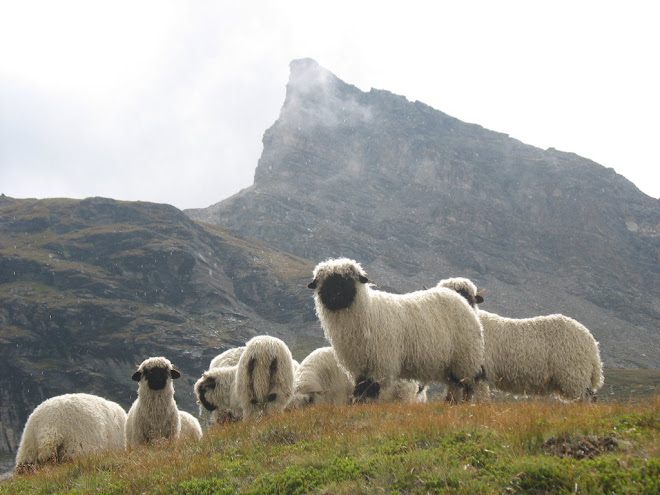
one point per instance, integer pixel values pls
(527, 447)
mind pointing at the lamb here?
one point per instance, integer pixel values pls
(190, 427)
(429, 335)
(69, 426)
(541, 356)
(264, 378)
(154, 414)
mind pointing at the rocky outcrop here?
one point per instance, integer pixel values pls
(417, 195)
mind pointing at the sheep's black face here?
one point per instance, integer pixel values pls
(472, 300)
(157, 377)
(202, 389)
(337, 292)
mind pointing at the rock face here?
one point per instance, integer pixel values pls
(416, 196)
(89, 289)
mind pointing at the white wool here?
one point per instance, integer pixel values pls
(228, 358)
(69, 426)
(154, 414)
(409, 391)
(320, 380)
(542, 355)
(216, 388)
(264, 378)
(429, 336)
(190, 427)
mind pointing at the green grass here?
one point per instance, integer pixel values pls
(532, 447)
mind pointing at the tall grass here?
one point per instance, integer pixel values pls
(530, 447)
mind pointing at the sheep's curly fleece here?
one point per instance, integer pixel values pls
(430, 335)
(543, 355)
(69, 426)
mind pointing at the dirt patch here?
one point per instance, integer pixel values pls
(580, 448)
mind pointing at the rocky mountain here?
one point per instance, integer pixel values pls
(88, 289)
(416, 195)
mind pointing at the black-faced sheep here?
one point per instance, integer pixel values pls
(264, 378)
(539, 356)
(69, 426)
(154, 414)
(430, 335)
(215, 393)
(320, 380)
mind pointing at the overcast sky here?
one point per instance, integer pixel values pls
(168, 101)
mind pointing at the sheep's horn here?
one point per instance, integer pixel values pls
(481, 292)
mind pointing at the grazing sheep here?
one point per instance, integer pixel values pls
(429, 335)
(154, 414)
(69, 426)
(543, 355)
(228, 358)
(320, 380)
(264, 378)
(215, 393)
(190, 427)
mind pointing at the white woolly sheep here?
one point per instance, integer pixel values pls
(215, 393)
(229, 357)
(429, 335)
(321, 380)
(69, 426)
(190, 427)
(154, 414)
(264, 378)
(218, 410)
(540, 356)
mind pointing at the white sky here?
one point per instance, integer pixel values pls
(167, 101)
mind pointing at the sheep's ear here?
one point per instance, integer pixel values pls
(480, 296)
(363, 279)
(175, 374)
(136, 376)
(312, 284)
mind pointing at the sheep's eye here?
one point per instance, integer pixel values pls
(272, 397)
(254, 402)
